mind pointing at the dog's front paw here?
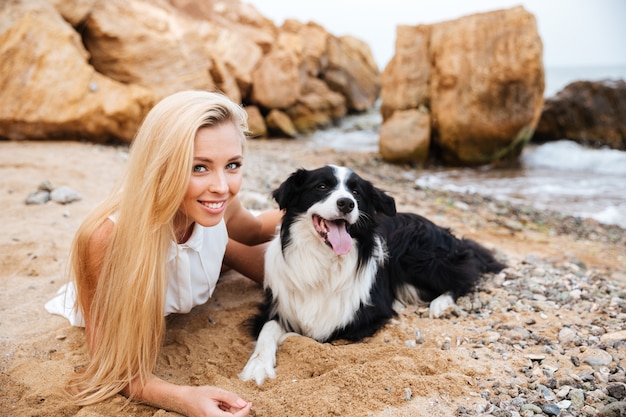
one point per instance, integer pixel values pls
(440, 305)
(258, 368)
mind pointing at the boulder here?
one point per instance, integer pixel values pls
(148, 43)
(92, 69)
(405, 137)
(317, 107)
(352, 72)
(237, 55)
(235, 35)
(406, 79)
(481, 77)
(314, 47)
(280, 125)
(75, 11)
(233, 15)
(256, 123)
(276, 82)
(48, 88)
(589, 112)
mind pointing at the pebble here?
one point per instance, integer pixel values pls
(46, 192)
(597, 357)
(551, 409)
(616, 409)
(407, 394)
(38, 197)
(594, 345)
(617, 391)
(64, 195)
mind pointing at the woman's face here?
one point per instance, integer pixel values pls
(216, 176)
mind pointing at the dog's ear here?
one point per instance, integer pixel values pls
(381, 201)
(384, 203)
(289, 189)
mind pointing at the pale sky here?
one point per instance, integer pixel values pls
(574, 32)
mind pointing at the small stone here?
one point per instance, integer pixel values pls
(38, 197)
(535, 357)
(64, 195)
(531, 407)
(617, 391)
(410, 343)
(616, 409)
(564, 404)
(407, 394)
(567, 336)
(577, 397)
(597, 357)
(45, 186)
(619, 336)
(551, 409)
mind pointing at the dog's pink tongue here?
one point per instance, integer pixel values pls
(338, 237)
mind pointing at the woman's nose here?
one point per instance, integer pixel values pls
(218, 183)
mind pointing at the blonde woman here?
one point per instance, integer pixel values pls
(156, 246)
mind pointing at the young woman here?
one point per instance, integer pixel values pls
(157, 245)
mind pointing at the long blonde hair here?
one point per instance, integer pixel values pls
(127, 311)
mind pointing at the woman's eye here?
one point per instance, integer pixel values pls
(199, 168)
(234, 165)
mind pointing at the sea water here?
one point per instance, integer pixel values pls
(561, 176)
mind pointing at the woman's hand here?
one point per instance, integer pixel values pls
(206, 401)
(191, 401)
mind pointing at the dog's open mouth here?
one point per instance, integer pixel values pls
(334, 233)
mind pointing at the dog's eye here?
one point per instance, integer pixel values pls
(355, 192)
(321, 186)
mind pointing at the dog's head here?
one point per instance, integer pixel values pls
(337, 201)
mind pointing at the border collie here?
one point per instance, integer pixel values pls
(344, 256)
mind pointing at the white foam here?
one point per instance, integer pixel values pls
(570, 156)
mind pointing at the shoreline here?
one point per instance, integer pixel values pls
(511, 344)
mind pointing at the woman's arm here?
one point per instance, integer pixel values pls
(246, 228)
(247, 260)
(248, 235)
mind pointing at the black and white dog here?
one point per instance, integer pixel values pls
(344, 256)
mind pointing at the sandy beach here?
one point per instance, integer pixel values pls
(549, 320)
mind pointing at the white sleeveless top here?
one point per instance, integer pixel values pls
(194, 268)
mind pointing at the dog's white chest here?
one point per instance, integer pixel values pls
(317, 293)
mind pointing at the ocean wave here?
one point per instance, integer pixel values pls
(566, 155)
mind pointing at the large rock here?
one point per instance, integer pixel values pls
(588, 112)
(76, 11)
(276, 82)
(317, 107)
(406, 79)
(352, 72)
(132, 53)
(148, 43)
(47, 88)
(481, 77)
(236, 36)
(405, 137)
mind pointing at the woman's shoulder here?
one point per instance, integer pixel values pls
(101, 236)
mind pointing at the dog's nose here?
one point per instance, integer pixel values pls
(345, 205)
